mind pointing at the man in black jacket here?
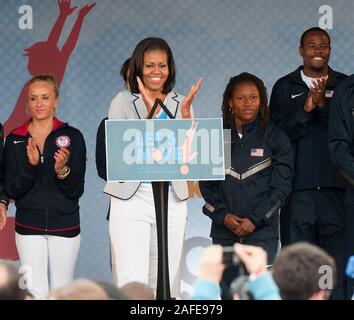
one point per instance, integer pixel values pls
(4, 201)
(300, 106)
(341, 147)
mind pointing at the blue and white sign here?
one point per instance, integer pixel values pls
(165, 150)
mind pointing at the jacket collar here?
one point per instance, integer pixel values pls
(247, 130)
(23, 130)
(296, 76)
(170, 102)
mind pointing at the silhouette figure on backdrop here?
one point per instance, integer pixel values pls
(45, 57)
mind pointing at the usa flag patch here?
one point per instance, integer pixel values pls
(329, 93)
(257, 152)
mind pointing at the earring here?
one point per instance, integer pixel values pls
(231, 111)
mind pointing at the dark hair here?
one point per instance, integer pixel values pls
(227, 111)
(137, 63)
(314, 29)
(46, 78)
(124, 70)
(296, 270)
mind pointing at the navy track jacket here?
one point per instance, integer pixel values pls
(45, 204)
(256, 185)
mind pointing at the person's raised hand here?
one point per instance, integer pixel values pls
(187, 101)
(254, 258)
(211, 267)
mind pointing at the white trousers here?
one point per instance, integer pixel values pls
(36, 251)
(132, 229)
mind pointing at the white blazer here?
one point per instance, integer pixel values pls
(127, 105)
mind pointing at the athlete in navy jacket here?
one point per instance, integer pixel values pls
(299, 105)
(44, 165)
(244, 207)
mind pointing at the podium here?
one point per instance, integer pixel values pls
(128, 140)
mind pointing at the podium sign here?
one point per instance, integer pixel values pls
(165, 150)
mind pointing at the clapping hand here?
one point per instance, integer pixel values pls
(316, 95)
(61, 159)
(318, 91)
(32, 152)
(187, 102)
(145, 94)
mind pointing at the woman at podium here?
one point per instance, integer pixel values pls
(132, 223)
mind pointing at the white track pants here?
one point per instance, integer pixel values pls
(36, 251)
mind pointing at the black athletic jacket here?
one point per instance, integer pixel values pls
(257, 184)
(308, 131)
(45, 204)
(341, 131)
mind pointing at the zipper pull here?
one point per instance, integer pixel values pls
(42, 159)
